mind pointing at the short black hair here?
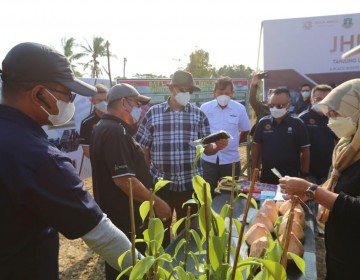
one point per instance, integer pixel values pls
(223, 82)
(305, 85)
(280, 90)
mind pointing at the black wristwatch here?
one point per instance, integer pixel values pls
(310, 192)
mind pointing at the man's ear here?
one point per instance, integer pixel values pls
(36, 95)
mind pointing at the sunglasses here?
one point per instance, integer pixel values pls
(279, 106)
(70, 95)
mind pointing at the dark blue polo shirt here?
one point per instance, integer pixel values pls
(40, 195)
(281, 145)
(322, 141)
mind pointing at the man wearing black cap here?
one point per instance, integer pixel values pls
(41, 193)
(165, 134)
(88, 124)
(116, 157)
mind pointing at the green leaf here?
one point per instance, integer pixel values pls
(220, 225)
(199, 151)
(196, 261)
(146, 236)
(144, 209)
(300, 263)
(141, 268)
(160, 184)
(198, 184)
(123, 272)
(237, 225)
(274, 252)
(224, 211)
(178, 246)
(121, 258)
(216, 252)
(163, 273)
(274, 268)
(177, 224)
(253, 201)
(197, 239)
(156, 234)
(164, 257)
(239, 275)
(181, 273)
(190, 201)
(202, 223)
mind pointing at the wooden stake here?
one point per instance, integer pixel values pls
(132, 219)
(255, 174)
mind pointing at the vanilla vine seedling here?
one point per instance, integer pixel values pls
(211, 253)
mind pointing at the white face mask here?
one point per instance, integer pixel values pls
(342, 127)
(136, 113)
(182, 98)
(102, 106)
(223, 100)
(305, 94)
(316, 107)
(66, 112)
(277, 113)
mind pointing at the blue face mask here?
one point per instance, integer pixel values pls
(136, 113)
(102, 106)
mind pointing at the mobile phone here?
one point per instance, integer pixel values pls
(263, 75)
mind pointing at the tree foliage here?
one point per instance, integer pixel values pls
(68, 47)
(234, 71)
(149, 76)
(199, 64)
(94, 51)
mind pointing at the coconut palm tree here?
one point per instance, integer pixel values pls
(95, 50)
(68, 46)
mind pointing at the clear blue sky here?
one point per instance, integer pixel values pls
(158, 36)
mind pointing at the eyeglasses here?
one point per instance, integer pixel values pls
(279, 106)
(70, 95)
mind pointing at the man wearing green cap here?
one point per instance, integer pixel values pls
(165, 134)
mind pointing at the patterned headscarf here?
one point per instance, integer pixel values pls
(345, 100)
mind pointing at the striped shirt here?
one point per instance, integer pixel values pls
(167, 133)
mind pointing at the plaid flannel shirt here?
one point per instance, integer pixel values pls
(167, 133)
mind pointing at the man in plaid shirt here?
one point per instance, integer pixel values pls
(165, 134)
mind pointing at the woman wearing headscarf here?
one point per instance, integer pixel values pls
(339, 196)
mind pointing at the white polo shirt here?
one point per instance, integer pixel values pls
(233, 119)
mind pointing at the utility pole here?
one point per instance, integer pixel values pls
(125, 60)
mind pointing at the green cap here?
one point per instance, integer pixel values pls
(183, 78)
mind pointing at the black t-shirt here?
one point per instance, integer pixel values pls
(86, 128)
(40, 195)
(342, 227)
(115, 153)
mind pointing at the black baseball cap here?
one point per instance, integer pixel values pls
(32, 62)
(125, 90)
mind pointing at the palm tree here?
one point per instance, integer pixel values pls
(95, 50)
(68, 46)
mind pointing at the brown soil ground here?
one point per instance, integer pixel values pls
(77, 261)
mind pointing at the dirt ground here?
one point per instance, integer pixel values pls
(77, 261)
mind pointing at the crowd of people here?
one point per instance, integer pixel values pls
(314, 146)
